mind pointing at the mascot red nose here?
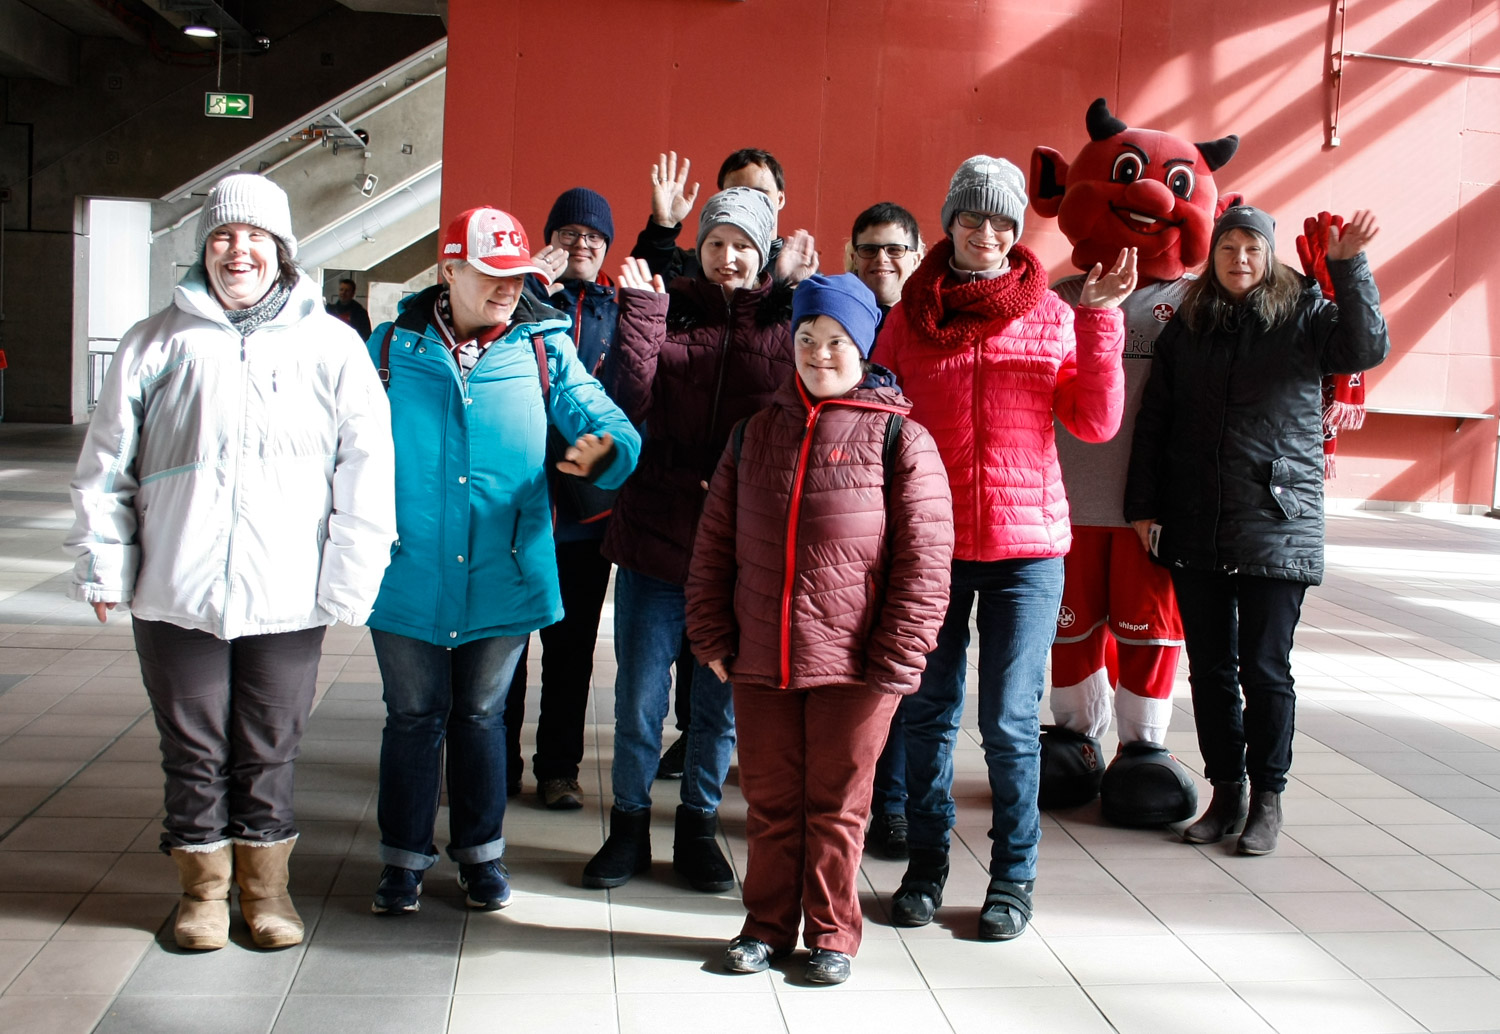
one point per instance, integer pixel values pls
(1133, 188)
(1118, 632)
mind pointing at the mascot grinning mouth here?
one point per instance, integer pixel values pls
(1149, 226)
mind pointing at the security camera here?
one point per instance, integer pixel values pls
(263, 42)
(366, 183)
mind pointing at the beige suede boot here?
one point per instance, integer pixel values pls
(260, 870)
(203, 911)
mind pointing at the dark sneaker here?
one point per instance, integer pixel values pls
(888, 834)
(399, 891)
(826, 967)
(560, 794)
(487, 885)
(750, 955)
(674, 760)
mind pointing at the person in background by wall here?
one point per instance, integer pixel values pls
(580, 227)
(476, 369)
(884, 249)
(818, 583)
(1225, 488)
(350, 311)
(233, 425)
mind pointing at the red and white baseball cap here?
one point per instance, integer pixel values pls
(491, 241)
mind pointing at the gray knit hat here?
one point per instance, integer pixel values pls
(245, 197)
(992, 186)
(747, 210)
(1244, 217)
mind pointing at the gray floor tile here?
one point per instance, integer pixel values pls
(367, 1014)
(413, 967)
(192, 1014)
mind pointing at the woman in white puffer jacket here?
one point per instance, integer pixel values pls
(236, 491)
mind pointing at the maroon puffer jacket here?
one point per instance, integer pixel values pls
(687, 372)
(796, 575)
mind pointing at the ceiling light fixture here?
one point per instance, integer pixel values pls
(200, 31)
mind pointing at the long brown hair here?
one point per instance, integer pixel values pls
(1207, 305)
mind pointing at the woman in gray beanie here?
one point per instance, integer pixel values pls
(236, 492)
(691, 362)
(990, 358)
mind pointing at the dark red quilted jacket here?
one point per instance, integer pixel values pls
(686, 373)
(796, 575)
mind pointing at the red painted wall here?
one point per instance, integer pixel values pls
(869, 100)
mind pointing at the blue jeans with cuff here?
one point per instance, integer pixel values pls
(437, 696)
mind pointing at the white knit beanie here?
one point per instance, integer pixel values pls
(245, 197)
(992, 186)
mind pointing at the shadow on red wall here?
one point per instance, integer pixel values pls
(867, 100)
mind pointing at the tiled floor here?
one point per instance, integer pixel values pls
(1380, 911)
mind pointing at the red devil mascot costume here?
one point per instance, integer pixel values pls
(1118, 633)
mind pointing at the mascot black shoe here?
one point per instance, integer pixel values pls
(1146, 786)
(1072, 768)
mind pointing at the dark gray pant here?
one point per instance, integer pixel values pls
(231, 715)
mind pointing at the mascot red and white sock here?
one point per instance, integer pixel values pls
(1118, 632)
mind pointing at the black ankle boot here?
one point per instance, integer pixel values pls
(1225, 814)
(1006, 910)
(1264, 824)
(626, 852)
(916, 901)
(696, 854)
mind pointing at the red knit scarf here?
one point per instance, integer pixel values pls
(949, 313)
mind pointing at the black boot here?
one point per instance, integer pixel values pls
(1225, 815)
(696, 854)
(626, 852)
(888, 834)
(916, 901)
(1263, 825)
(1006, 910)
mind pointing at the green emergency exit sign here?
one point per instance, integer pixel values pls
(229, 105)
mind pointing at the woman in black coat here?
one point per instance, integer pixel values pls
(1226, 489)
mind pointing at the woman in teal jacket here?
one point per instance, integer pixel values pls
(475, 370)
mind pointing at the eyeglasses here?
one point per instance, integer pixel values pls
(568, 238)
(974, 220)
(895, 251)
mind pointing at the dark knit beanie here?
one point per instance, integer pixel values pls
(844, 297)
(1243, 217)
(992, 186)
(748, 211)
(581, 207)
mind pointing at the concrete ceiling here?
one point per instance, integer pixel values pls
(39, 39)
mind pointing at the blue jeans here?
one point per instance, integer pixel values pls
(1018, 601)
(648, 634)
(890, 771)
(433, 695)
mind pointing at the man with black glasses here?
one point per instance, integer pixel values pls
(884, 248)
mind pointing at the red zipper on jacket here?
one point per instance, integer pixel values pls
(794, 512)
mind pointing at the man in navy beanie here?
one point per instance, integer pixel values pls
(581, 227)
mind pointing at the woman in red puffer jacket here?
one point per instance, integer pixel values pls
(989, 357)
(818, 581)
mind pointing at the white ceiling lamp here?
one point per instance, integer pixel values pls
(200, 31)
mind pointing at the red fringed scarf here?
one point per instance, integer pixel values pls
(1343, 393)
